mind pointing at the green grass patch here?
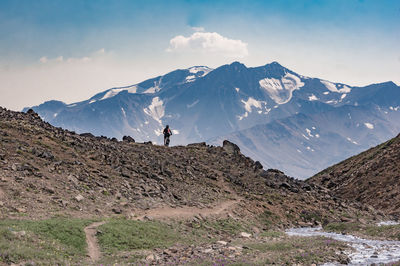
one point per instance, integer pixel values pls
(227, 226)
(268, 218)
(297, 250)
(384, 231)
(342, 227)
(272, 234)
(45, 242)
(122, 234)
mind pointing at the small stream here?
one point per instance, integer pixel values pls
(366, 251)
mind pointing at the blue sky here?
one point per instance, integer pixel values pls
(70, 50)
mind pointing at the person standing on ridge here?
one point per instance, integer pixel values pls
(167, 133)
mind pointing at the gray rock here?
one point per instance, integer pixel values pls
(79, 198)
(230, 148)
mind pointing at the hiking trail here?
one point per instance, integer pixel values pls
(94, 252)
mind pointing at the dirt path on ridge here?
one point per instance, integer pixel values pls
(91, 240)
(221, 208)
(187, 212)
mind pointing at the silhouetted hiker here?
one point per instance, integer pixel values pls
(167, 133)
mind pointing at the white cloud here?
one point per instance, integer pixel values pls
(209, 42)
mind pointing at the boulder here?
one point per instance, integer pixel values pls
(230, 148)
(128, 139)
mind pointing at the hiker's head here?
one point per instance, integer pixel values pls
(167, 126)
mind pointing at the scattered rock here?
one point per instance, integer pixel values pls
(19, 234)
(117, 210)
(20, 210)
(245, 235)
(208, 250)
(79, 198)
(150, 258)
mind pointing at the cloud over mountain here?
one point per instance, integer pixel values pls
(209, 42)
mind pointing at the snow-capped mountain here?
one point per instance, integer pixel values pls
(201, 104)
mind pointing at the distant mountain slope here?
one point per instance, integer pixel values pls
(302, 145)
(371, 177)
(202, 104)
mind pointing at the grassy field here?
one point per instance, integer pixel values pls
(48, 242)
(62, 241)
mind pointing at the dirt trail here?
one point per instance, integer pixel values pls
(91, 240)
(187, 212)
(223, 207)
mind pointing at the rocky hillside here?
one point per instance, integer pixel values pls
(47, 171)
(372, 177)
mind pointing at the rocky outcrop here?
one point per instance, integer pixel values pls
(230, 148)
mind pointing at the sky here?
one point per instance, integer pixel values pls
(71, 50)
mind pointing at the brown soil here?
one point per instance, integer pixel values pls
(223, 208)
(94, 253)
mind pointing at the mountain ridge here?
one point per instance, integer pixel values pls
(202, 104)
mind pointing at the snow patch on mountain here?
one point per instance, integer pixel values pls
(123, 112)
(152, 90)
(334, 88)
(155, 88)
(312, 98)
(252, 102)
(281, 91)
(132, 89)
(203, 69)
(156, 109)
(111, 93)
(240, 117)
(369, 125)
(190, 78)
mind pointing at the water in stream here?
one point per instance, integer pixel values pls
(366, 251)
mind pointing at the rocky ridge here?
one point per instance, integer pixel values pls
(47, 171)
(371, 177)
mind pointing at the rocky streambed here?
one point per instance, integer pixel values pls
(365, 251)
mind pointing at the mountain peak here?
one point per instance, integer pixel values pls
(237, 64)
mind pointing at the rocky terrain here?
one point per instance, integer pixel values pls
(47, 170)
(195, 195)
(372, 177)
